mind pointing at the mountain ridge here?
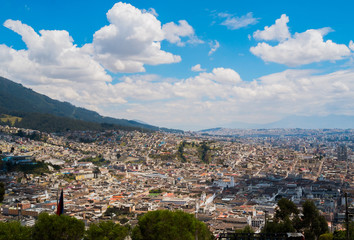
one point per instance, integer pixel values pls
(17, 99)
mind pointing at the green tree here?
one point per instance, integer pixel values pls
(286, 208)
(246, 229)
(14, 231)
(326, 236)
(106, 230)
(170, 225)
(313, 223)
(49, 227)
(2, 191)
(279, 227)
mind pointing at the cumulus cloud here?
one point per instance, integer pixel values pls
(198, 68)
(214, 45)
(351, 45)
(221, 96)
(51, 56)
(131, 40)
(174, 32)
(302, 48)
(279, 31)
(233, 23)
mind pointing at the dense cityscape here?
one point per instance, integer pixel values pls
(228, 180)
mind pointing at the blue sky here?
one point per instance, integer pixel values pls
(184, 64)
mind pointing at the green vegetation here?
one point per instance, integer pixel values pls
(204, 152)
(106, 231)
(14, 231)
(37, 169)
(180, 152)
(45, 114)
(49, 227)
(155, 191)
(287, 220)
(118, 213)
(164, 224)
(98, 161)
(9, 120)
(247, 229)
(339, 235)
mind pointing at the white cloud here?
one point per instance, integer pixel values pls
(214, 45)
(302, 48)
(131, 40)
(198, 68)
(234, 23)
(51, 56)
(219, 97)
(152, 11)
(279, 31)
(174, 32)
(351, 45)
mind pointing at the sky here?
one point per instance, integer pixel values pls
(182, 64)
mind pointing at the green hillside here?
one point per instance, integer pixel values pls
(19, 101)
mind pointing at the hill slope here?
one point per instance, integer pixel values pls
(15, 99)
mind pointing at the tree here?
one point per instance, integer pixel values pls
(49, 227)
(286, 208)
(14, 231)
(326, 236)
(313, 223)
(170, 225)
(287, 220)
(246, 229)
(2, 191)
(106, 230)
(279, 227)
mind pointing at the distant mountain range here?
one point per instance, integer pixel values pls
(17, 100)
(311, 122)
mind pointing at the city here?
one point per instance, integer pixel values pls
(234, 181)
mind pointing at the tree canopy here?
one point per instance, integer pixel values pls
(286, 219)
(49, 227)
(170, 225)
(14, 231)
(106, 230)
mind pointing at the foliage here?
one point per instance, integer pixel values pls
(341, 235)
(164, 224)
(313, 222)
(98, 161)
(9, 120)
(116, 211)
(106, 230)
(326, 236)
(14, 231)
(287, 220)
(38, 168)
(279, 227)
(180, 152)
(155, 190)
(45, 114)
(2, 191)
(285, 209)
(246, 229)
(49, 227)
(204, 152)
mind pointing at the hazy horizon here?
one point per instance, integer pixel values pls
(185, 65)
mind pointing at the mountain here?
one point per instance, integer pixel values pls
(310, 122)
(314, 122)
(17, 100)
